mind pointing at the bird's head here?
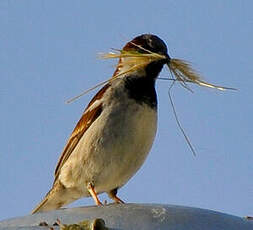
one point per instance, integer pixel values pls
(147, 44)
(145, 55)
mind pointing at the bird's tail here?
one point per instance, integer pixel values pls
(55, 198)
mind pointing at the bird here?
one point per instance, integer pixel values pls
(115, 132)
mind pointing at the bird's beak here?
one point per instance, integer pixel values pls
(167, 59)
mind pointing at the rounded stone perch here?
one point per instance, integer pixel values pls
(131, 217)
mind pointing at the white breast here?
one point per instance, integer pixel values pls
(114, 147)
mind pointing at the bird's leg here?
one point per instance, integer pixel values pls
(92, 192)
(113, 195)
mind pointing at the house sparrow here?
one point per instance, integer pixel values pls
(115, 133)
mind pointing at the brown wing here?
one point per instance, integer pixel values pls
(88, 117)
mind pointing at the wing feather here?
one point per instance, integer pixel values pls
(88, 117)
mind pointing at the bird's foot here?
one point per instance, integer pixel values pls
(118, 200)
(93, 193)
(113, 195)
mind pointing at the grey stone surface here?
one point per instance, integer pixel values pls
(136, 217)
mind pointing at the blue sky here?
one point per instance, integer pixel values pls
(48, 53)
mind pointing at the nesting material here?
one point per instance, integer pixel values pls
(181, 70)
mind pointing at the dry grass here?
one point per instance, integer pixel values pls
(181, 70)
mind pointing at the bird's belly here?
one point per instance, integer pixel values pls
(112, 149)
